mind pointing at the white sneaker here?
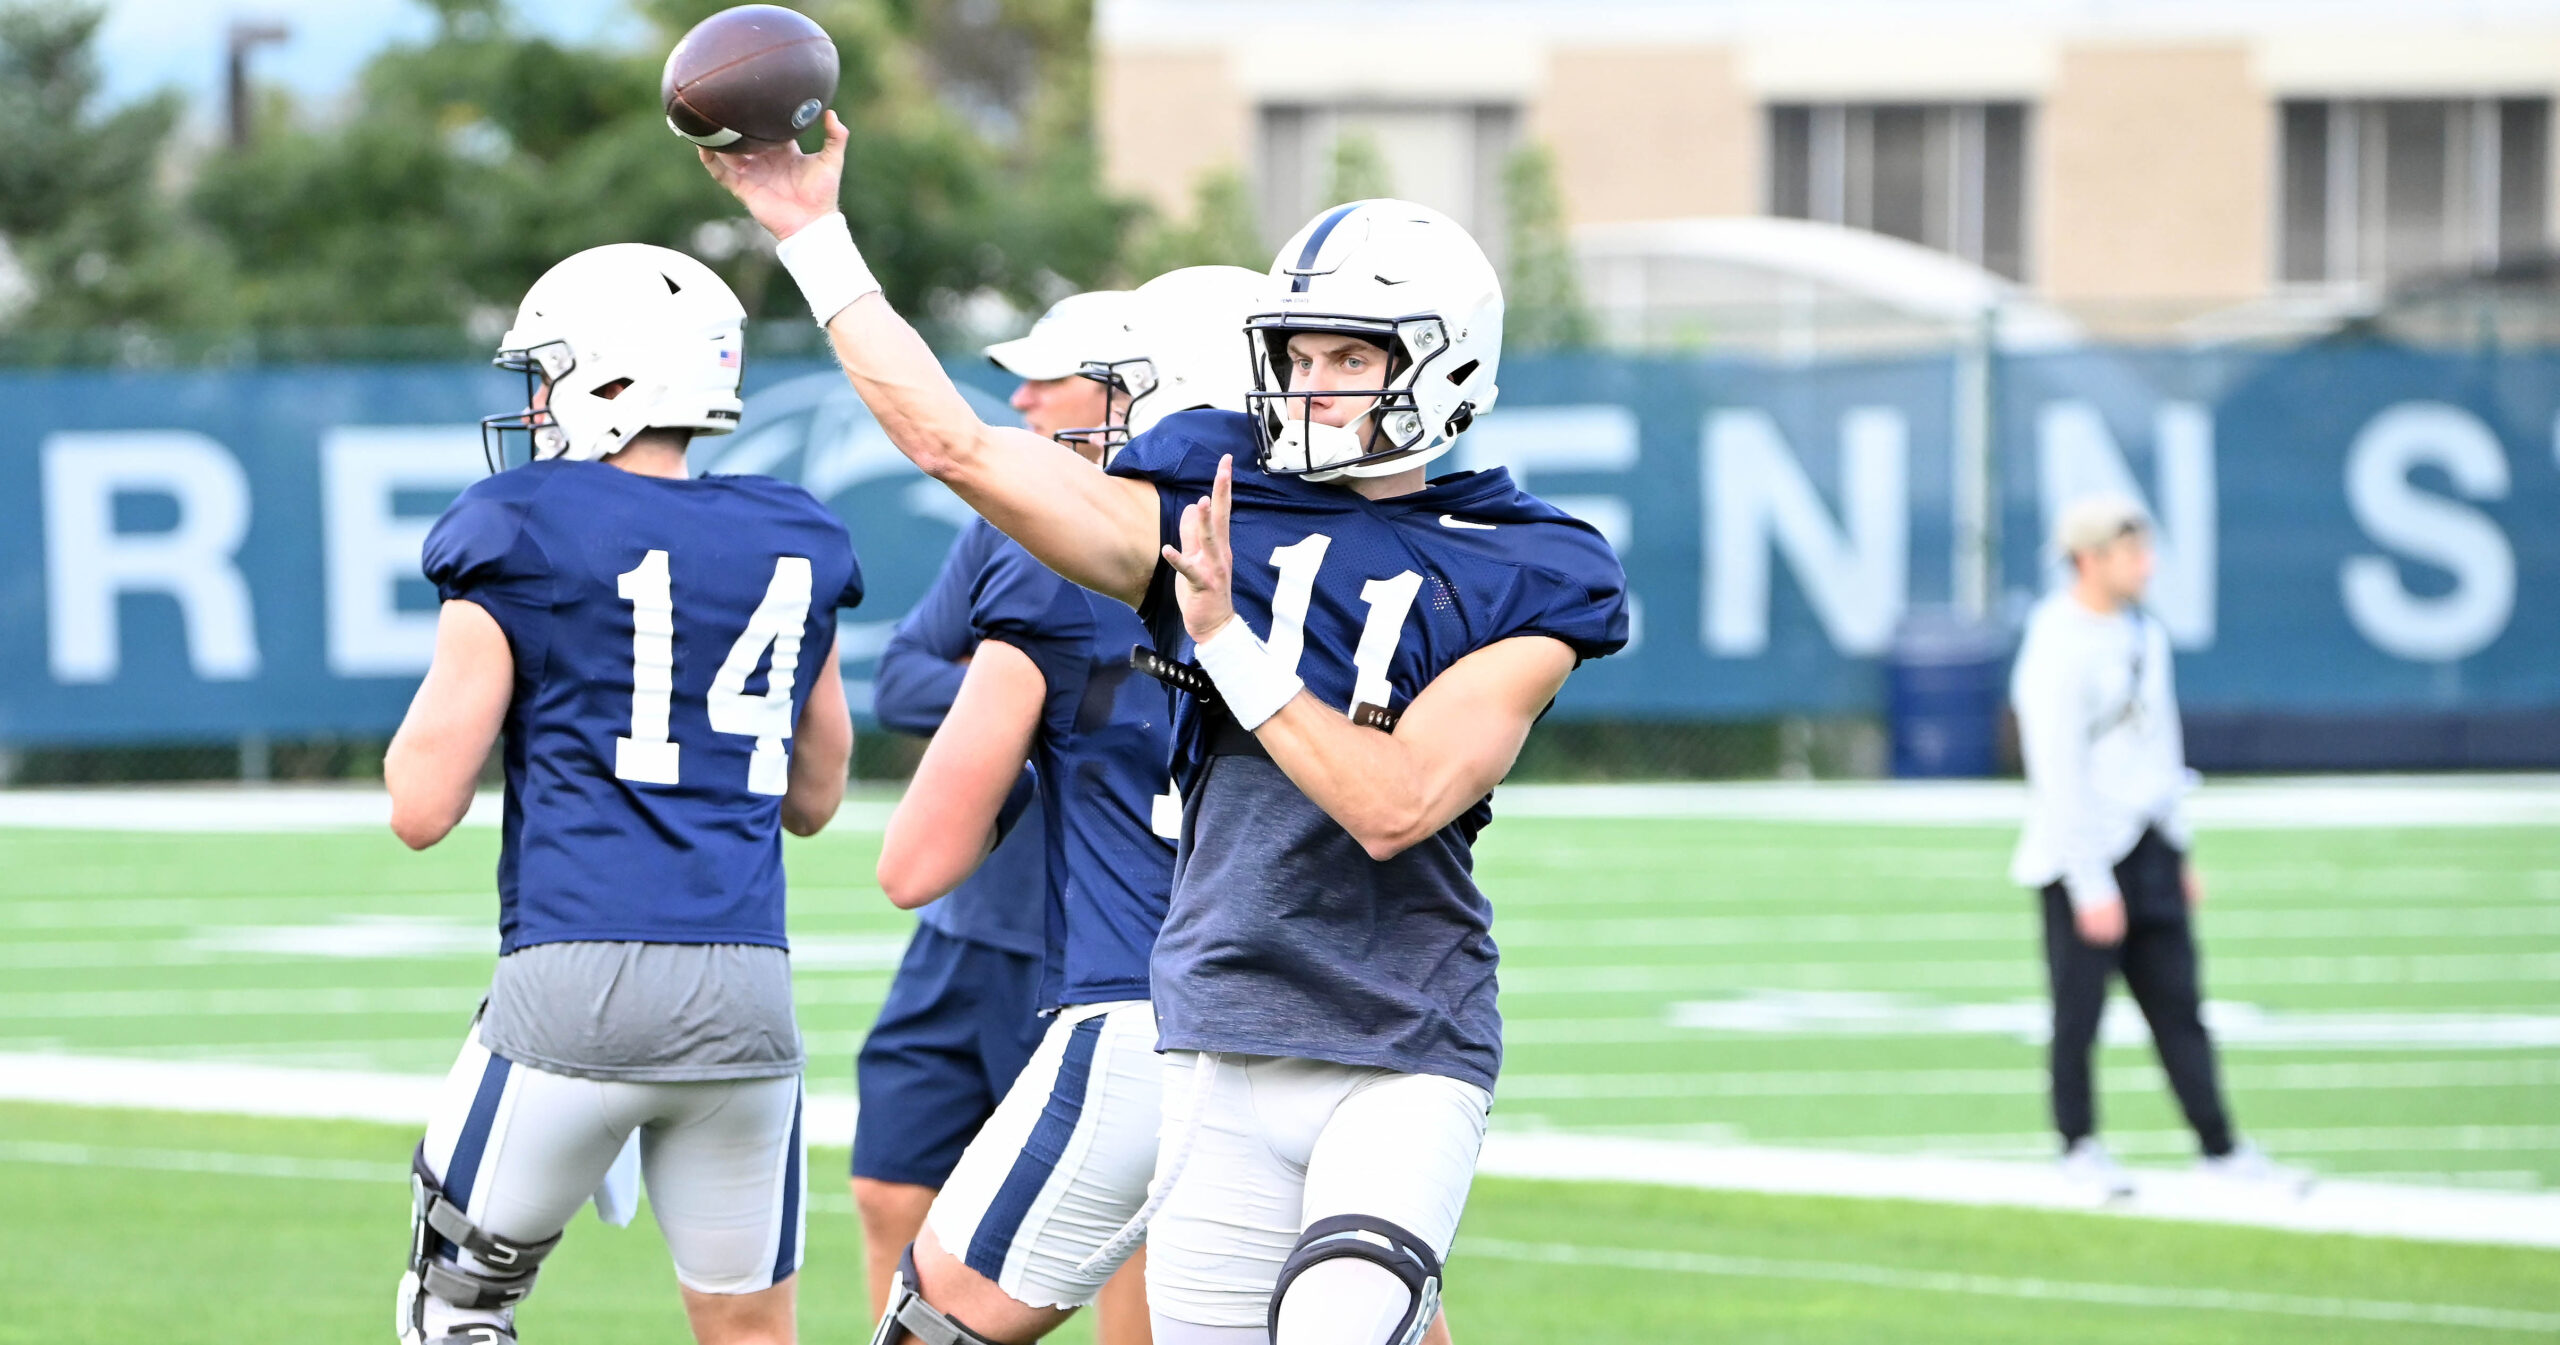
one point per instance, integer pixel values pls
(2248, 1163)
(2088, 1165)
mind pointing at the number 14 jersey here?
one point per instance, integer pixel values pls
(1284, 937)
(665, 635)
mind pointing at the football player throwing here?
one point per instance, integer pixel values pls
(1376, 646)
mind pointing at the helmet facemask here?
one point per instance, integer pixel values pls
(543, 366)
(1389, 429)
(1125, 383)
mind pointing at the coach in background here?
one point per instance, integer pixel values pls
(2106, 838)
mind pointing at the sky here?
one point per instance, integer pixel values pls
(150, 44)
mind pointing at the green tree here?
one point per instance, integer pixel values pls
(1542, 292)
(485, 153)
(94, 241)
(1222, 231)
(1359, 169)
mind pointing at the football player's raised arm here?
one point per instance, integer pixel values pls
(433, 765)
(946, 824)
(1453, 744)
(1098, 530)
(821, 747)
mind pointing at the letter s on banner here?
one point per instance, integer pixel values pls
(88, 564)
(2431, 529)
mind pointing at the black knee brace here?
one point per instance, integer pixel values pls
(511, 1265)
(1378, 1242)
(911, 1318)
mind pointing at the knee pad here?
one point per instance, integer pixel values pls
(501, 1279)
(1380, 1243)
(911, 1318)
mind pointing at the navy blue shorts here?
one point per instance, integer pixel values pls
(960, 1022)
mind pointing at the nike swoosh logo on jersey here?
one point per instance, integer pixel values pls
(1453, 521)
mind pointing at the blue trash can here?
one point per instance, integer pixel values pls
(1944, 680)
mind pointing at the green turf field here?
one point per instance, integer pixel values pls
(2389, 1001)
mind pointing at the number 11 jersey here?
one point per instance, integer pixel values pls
(1284, 937)
(665, 635)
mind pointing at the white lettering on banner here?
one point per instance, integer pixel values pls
(2076, 456)
(372, 547)
(1595, 437)
(2430, 529)
(89, 564)
(1856, 574)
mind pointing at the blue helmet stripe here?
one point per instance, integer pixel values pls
(1315, 244)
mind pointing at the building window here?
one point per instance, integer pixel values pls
(1446, 156)
(1950, 176)
(2377, 189)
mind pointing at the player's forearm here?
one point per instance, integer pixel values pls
(1373, 786)
(818, 763)
(946, 824)
(1097, 531)
(907, 390)
(929, 849)
(431, 781)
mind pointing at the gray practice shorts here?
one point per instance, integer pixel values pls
(520, 1149)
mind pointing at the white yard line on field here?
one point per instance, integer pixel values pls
(1520, 976)
(2344, 1207)
(52, 1005)
(2431, 1214)
(2001, 1286)
(251, 808)
(2433, 1140)
(2306, 802)
(1870, 1276)
(2013, 925)
(2238, 804)
(2245, 1076)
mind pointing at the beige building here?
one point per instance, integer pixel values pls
(2116, 157)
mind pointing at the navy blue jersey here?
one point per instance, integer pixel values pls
(1285, 937)
(665, 634)
(1101, 748)
(918, 675)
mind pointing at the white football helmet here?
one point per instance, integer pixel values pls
(1402, 277)
(1185, 319)
(624, 338)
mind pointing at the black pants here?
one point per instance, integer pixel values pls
(2158, 960)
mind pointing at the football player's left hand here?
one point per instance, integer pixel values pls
(1203, 566)
(785, 189)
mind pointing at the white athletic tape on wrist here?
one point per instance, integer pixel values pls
(828, 267)
(1251, 679)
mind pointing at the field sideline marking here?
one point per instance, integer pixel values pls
(2002, 1286)
(2247, 1076)
(2308, 802)
(1497, 1249)
(2441, 1215)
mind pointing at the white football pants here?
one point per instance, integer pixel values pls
(520, 1149)
(1257, 1148)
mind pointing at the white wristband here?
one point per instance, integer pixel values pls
(829, 268)
(1251, 680)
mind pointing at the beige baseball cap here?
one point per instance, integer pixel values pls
(2092, 521)
(1095, 326)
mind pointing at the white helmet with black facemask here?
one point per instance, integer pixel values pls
(615, 340)
(1406, 279)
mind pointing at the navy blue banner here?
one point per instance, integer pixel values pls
(207, 553)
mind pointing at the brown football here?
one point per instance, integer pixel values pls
(749, 78)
